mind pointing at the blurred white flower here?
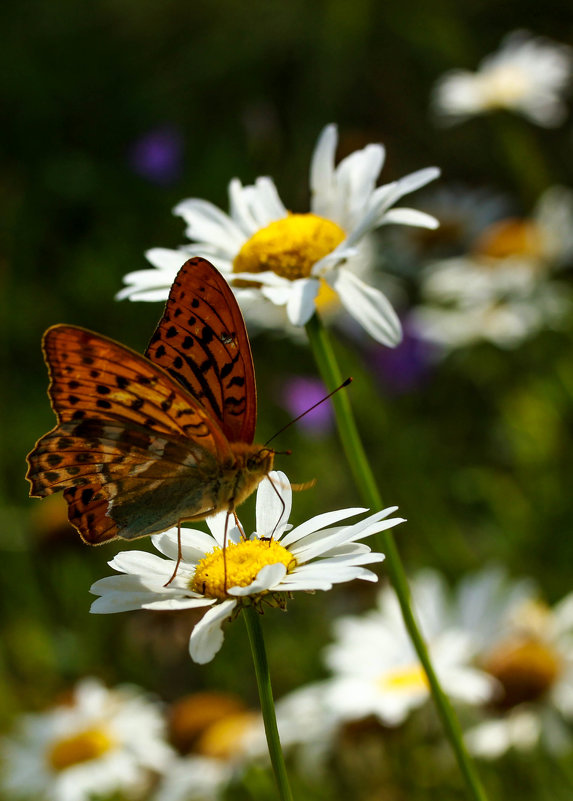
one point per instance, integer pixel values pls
(527, 647)
(504, 290)
(527, 74)
(297, 262)
(376, 669)
(213, 731)
(463, 211)
(102, 741)
(277, 559)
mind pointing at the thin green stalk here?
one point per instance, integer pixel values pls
(364, 479)
(518, 147)
(255, 632)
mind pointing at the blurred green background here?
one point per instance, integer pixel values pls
(478, 456)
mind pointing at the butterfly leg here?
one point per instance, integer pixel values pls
(282, 510)
(225, 550)
(239, 526)
(179, 554)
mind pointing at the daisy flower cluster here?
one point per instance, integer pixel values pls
(496, 648)
(224, 571)
(284, 266)
(96, 743)
(527, 74)
(507, 287)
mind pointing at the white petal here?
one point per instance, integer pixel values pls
(279, 296)
(166, 260)
(267, 278)
(222, 527)
(141, 563)
(207, 636)
(352, 559)
(194, 544)
(129, 584)
(274, 503)
(268, 193)
(239, 208)
(314, 524)
(414, 181)
(267, 578)
(367, 305)
(178, 603)
(405, 216)
(322, 545)
(303, 584)
(146, 295)
(208, 223)
(264, 202)
(322, 165)
(300, 305)
(113, 602)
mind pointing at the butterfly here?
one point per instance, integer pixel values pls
(145, 442)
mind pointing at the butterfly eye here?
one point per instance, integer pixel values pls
(253, 462)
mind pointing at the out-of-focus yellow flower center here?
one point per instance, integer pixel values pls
(407, 679)
(289, 247)
(511, 237)
(239, 563)
(224, 738)
(192, 715)
(503, 87)
(82, 747)
(526, 668)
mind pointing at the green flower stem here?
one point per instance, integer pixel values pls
(364, 478)
(518, 147)
(252, 620)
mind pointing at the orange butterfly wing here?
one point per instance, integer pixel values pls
(144, 442)
(121, 419)
(202, 342)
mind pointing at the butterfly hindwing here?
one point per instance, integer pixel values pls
(144, 442)
(202, 342)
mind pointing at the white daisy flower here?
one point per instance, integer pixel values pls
(275, 560)
(527, 74)
(377, 671)
(527, 647)
(213, 731)
(194, 778)
(504, 289)
(297, 262)
(101, 742)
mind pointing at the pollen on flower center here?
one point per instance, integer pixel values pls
(511, 237)
(240, 562)
(82, 747)
(289, 247)
(526, 668)
(504, 86)
(406, 679)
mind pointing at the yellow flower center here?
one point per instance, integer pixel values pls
(504, 87)
(223, 739)
(289, 247)
(239, 563)
(407, 679)
(526, 668)
(82, 747)
(192, 715)
(511, 237)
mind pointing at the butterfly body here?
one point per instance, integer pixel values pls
(144, 442)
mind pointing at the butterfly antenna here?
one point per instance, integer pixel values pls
(179, 554)
(296, 419)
